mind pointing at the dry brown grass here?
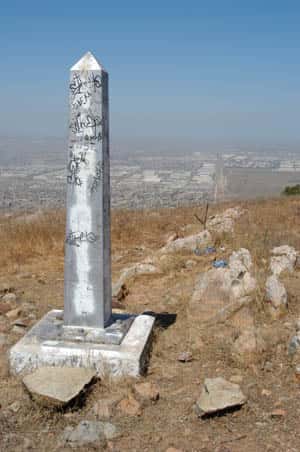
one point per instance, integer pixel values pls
(267, 223)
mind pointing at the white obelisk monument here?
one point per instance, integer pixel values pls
(87, 333)
(87, 300)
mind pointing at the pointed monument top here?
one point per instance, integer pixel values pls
(87, 63)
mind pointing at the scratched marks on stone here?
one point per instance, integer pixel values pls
(98, 176)
(76, 238)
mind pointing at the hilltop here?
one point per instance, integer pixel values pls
(163, 262)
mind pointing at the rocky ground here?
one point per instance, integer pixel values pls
(223, 374)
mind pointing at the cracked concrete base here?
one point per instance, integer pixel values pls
(43, 345)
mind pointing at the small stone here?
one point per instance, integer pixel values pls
(86, 432)
(15, 406)
(18, 330)
(129, 407)
(294, 345)
(57, 385)
(276, 296)
(147, 391)
(9, 297)
(266, 392)
(185, 357)
(297, 325)
(13, 314)
(218, 395)
(278, 412)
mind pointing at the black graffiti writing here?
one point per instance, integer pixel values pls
(82, 123)
(81, 100)
(98, 176)
(74, 167)
(77, 85)
(76, 238)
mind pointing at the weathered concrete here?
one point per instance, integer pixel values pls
(87, 245)
(45, 345)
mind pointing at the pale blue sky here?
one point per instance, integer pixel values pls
(181, 72)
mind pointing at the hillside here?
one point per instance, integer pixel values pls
(156, 270)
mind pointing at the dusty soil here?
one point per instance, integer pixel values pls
(35, 274)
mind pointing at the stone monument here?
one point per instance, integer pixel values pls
(87, 333)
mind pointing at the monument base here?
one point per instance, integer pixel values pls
(49, 343)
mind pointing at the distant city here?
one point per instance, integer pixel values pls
(37, 178)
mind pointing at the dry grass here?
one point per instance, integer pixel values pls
(269, 223)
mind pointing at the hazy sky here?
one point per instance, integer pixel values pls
(181, 72)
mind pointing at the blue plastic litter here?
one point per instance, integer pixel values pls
(210, 250)
(220, 263)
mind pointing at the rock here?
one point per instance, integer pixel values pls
(120, 292)
(171, 238)
(224, 222)
(185, 357)
(188, 243)
(240, 261)
(13, 314)
(90, 432)
(129, 407)
(9, 298)
(220, 293)
(147, 391)
(248, 347)
(218, 395)
(297, 325)
(278, 412)
(294, 345)
(276, 296)
(19, 330)
(15, 406)
(242, 319)
(105, 408)
(130, 272)
(57, 385)
(283, 259)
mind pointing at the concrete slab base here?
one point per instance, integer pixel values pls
(47, 344)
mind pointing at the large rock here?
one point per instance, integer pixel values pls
(57, 386)
(283, 259)
(248, 347)
(219, 395)
(90, 432)
(224, 222)
(276, 296)
(220, 292)
(189, 243)
(141, 268)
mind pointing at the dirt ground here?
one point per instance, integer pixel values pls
(32, 266)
